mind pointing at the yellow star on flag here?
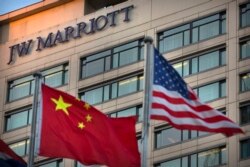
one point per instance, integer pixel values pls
(61, 105)
(81, 125)
(88, 118)
(86, 106)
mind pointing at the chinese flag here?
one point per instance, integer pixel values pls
(74, 129)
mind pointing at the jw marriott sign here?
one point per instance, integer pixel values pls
(70, 32)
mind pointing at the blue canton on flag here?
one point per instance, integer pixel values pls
(166, 76)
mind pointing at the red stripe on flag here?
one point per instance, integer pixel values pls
(228, 131)
(188, 114)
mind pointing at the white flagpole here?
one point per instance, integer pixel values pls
(148, 55)
(37, 77)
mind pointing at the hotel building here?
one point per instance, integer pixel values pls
(95, 50)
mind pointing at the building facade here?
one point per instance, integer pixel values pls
(94, 50)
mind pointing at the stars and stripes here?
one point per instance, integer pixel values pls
(175, 102)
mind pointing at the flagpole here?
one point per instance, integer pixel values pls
(37, 77)
(147, 95)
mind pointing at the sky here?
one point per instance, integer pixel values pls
(7, 6)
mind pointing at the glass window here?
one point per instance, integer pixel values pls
(20, 88)
(24, 87)
(168, 135)
(58, 163)
(127, 86)
(210, 158)
(201, 63)
(21, 148)
(113, 58)
(245, 113)
(17, 119)
(245, 49)
(245, 82)
(133, 111)
(245, 15)
(56, 76)
(212, 91)
(112, 90)
(245, 149)
(201, 29)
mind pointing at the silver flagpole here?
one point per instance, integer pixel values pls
(37, 77)
(147, 95)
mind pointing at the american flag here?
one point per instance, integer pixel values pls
(175, 102)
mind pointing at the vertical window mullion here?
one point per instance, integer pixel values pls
(30, 87)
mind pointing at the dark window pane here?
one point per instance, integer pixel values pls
(245, 82)
(245, 50)
(245, 149)
(245, 114)
(245, 15)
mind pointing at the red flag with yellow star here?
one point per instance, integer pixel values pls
(73, 129)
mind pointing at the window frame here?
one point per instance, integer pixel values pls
(26, 150)
(189, 58)
(48, 161)
(220, 82)
(243, 41)
(137, 110)
(240, 81)
(244, 104)
(17, 111)
(189, 155)
(161, 36)
(112, 52)
(240, 146)
(31, 81)
(138, 75)
(241, 13)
